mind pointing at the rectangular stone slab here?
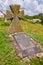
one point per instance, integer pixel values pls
(26, 44)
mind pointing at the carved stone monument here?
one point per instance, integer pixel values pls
(25, 45)
(14, 16)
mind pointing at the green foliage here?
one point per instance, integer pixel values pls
(26, 62)
(28, 17)
(5, 24)
(7, 52)
(37, 61)
(39, 16)
(41, 20)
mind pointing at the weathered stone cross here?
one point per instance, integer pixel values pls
(25, 45)
(15, 14)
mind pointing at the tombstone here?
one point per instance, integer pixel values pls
(14, 16)
(25, 44)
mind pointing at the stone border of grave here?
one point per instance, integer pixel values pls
(17, 49)
(37, 43)
(19, 52)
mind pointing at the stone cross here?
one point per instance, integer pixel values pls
(25, 46)
(14, 15)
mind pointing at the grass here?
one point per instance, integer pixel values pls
(34, 30)
(7, 50)
(37, 61)
(4, 25)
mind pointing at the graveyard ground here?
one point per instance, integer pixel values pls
(7, 50)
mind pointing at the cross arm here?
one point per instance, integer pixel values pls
(21, 14)
(9, 15)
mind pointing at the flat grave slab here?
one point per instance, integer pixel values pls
(26, 44)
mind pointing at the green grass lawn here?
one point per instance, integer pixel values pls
(35, 30)
(7, 50)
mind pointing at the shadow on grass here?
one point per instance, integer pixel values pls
(5, 24)
(42, 22)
